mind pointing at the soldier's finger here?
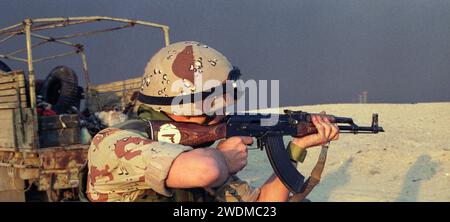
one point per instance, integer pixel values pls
(315, 121)
(326, 119)
(313, 118)
(334, 131)
(328, 129)
(318, 118)
(234, 139)
(333, 128)
(246, 140)
(320, 128)
(327, 126)
(322, 115)
(336, 137)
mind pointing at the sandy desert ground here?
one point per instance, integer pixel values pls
(409, 162)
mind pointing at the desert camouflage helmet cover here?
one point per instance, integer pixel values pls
(178, 79)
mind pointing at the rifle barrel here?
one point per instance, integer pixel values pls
(360, 129)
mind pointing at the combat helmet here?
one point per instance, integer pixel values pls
(188, 78)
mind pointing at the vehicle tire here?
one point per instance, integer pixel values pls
(4, 67)
(61, 89)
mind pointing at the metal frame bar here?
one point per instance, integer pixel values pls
(85, 68)
(25, 49)
(44, 26)
(50, 39)
(63, 22)
(52, 25)
(45, 41)
(94, 32)
(55, 56)
(13, 58)
(8, 37)
(5, 30)
(58, 22)
(27, 28)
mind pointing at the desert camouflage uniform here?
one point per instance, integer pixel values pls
(126, 166)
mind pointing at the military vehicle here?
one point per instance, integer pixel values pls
(43, 139)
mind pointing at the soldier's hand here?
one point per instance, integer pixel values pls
(326, 132)
(235, 152)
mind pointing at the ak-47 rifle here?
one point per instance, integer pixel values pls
(269, 137)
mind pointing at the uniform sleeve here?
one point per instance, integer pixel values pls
(236, 190)
(159, 158)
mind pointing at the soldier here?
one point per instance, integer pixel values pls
(124, 165)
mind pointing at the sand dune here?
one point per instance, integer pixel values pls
(409, 162)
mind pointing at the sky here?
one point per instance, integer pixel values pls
(321, 51)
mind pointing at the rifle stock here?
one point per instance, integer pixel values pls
(188, 134)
